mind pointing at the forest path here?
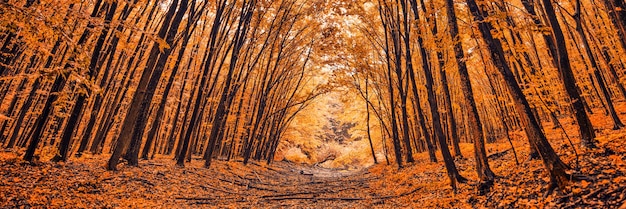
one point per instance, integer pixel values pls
(159, 183)
(289, 185)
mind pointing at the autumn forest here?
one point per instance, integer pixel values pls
(313, 104)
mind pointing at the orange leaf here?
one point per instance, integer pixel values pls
(584, 184)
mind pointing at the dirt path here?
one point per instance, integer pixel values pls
(286, 185)
(159, 183)
(84, 183)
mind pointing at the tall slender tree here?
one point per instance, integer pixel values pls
(554, 165)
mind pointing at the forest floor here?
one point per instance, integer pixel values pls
(158, 183)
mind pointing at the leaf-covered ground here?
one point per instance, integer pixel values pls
(158, 183)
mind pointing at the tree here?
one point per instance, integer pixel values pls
(483, 170)
(587, 133)
(558, 177)
(617, 123)
(133, 121)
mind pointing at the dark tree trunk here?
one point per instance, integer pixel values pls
(227, 95)
(617, 14)
(195, 115)
(143, 96)
(57, 87)
(482, 166)
(452, 123)
(537, 138)
(41, 120)
(161, 108)
(72, 123)
(390, 84)
(617, 123)
(10, 110)
(138, 52)
(367, 109)
(587, 134)
(132, 155)
(96, 63)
